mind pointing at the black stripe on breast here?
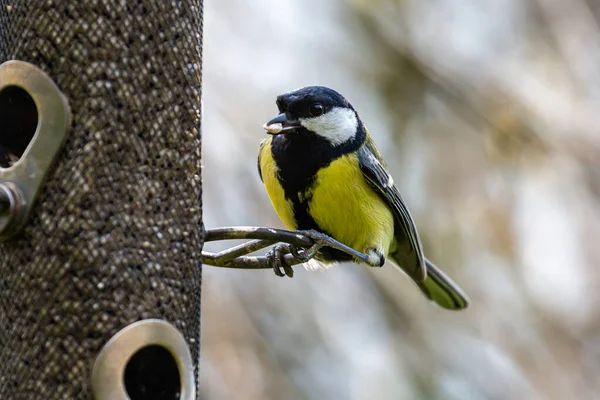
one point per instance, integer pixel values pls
(299, 155)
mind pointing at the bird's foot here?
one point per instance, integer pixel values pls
(376, 257)
(319, 240)
(373, 257)
(317, 237)
(276, 258)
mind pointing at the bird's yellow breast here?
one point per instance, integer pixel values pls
(344, 205)
(268, 169)
(341, 203)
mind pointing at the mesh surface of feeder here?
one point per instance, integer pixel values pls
(115, 236)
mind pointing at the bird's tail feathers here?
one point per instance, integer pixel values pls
(439, 288)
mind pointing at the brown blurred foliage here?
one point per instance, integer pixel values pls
(487, 114)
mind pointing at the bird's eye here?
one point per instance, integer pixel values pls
(316, 109)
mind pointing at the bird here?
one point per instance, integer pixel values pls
(323, 173)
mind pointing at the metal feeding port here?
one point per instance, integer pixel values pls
(148, 358)
(34, 119)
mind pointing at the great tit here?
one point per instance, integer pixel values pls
(323, 172)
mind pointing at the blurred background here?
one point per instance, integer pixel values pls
(487, 113)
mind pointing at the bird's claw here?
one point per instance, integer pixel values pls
(276, 257)
(299, 253)
(305, 255)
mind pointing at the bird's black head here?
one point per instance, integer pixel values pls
(306, 102)
(318, 110)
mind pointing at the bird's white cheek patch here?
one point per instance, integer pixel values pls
(337, 126)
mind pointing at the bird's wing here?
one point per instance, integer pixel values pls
(260, 149)
(409, 248)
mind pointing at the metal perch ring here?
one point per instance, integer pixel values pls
(236, 257)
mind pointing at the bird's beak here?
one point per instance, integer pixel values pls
(281, 124)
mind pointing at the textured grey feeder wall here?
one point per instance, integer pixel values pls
(116, 235)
